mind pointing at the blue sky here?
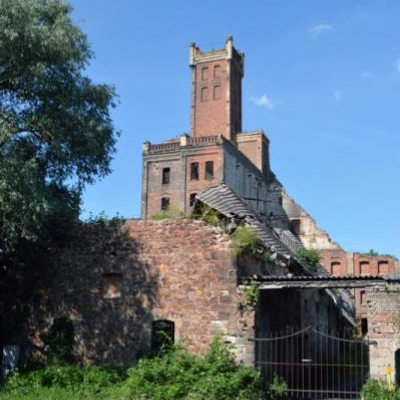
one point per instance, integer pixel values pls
(322, 79)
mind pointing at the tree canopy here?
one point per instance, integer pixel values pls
(56, 133)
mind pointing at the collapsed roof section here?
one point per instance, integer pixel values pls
(281, 242)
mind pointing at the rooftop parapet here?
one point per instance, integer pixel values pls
(184, 141)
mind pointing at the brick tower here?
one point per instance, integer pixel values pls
(216, 107)
(216, 150)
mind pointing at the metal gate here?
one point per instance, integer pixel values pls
(312, 365)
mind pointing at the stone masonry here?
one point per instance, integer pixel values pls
(114, 283)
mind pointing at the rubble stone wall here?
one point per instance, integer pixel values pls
(114, 282)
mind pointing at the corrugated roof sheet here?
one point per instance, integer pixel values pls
(224, 200)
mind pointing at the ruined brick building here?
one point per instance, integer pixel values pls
(120, 285)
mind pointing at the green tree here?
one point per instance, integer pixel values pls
(56, 134)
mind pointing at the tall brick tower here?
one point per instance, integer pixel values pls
(216, 151)
(216, 91)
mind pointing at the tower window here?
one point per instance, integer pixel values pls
(204, 93)
(217, 92)
(217, 71)
(204, 73)
(194, 170)
(166, 175)
(209, 173)
(164, 203)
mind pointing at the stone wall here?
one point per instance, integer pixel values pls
(114, 282)
(383, 310)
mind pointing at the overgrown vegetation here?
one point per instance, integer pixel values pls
(378, 390)
(244, 239)
(209, 215)
(170, 212)
(251, 293)
(176, 374)
(310, 257)
(373, 253)
(103, 219)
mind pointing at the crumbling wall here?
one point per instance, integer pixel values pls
(114, 282)
(382, 308)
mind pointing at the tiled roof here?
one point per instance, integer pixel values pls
(224, 200)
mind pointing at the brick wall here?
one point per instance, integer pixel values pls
(181, 185)
(216, 91)
(382, 307)
(113, 283)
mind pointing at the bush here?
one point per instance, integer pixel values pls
(63, 382)
(244, 239)
(175, 374)
(377, 390)
(311, 257)
(180, 375)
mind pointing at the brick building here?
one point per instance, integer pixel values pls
(216, 150)
(118, 284)
(334, 258)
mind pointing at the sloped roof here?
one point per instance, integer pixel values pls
(223, 199)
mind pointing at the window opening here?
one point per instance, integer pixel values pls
(204, 73)
(217, 71)
(162, 335)
(209, 172)
(296, 223)
(364, 267)
(383, 267)
(194, 170)
(166, 175)
(364, 326)
(217, 92)
(165, 203)
(362, 297)
(204, 93)
(335, 268)
(192, 199)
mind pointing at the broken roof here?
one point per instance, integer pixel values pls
(223, 199)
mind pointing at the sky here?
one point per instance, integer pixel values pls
(322, 79)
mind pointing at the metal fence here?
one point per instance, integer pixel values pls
(308, 364)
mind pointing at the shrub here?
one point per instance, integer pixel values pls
(244, 239)
(63, 382)
(377, 390)
(175, 374)
(311, 257)
(180, 375)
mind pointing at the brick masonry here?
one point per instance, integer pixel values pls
(382, 306)
(113, 283)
